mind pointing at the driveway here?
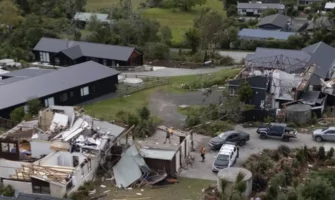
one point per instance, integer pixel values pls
(236, 55)
(203, 170)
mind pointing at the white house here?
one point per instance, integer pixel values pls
(256, 9)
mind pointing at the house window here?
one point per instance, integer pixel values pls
(232, 92)
(259, 11)
(49, 102)
(244, 10)
(40, 186)
(44, 57)
(12, 147)
(4, 147)
(104, 62)
(84, 91)
(113, 62)
(71, 94)
(57, 61)
(63, 97)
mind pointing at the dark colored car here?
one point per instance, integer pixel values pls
(237, 137)
(276, 130)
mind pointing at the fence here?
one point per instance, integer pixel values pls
(7, 124)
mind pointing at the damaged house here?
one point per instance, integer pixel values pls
(56, 153)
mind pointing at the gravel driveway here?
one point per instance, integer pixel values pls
(255, 145)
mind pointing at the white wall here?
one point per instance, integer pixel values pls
(8, 167)
(61, 158)
(177, 161)
(40, 147)
(57, 190)
(19, 186)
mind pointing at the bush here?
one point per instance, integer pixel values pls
(330, 162)
(17, 114)
(330, 153)
(284, 150)
(258, 183)
(157, 51)
(7, 191)
(268, 119)
(321, 153)
(212, 128)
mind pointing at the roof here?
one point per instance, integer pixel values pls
(330, 5)
(323, 56)
(122, 170)
(76, 49)
(6, 198)
(53, 82)
(84, 16)
(276, 19)
(260, 82)
(111, 129)
(310, 97)
(23, 196)
(260, 6)
(264, 34)
(28, 72)
(157, 154)
(321, 22)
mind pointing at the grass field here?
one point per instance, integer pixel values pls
(107, 109)
(186, 189)
(177, 20)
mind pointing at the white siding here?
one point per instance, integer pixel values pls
(39, 147)
(19, 186)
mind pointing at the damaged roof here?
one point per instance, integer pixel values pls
(310, 97)
(59, 80)
(76, 49)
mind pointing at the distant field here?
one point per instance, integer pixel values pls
(178, 21)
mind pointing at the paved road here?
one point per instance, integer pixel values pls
(255, 145)
(236, 55)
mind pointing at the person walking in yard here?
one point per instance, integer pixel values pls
(203, 153)
(169, 133)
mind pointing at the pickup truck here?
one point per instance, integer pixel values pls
(276, 130)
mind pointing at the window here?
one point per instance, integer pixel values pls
(84, 91)
(104, 62)
(232, 92)
(259, 11)
(12, 147)
(4, 147)
(63, 97)
(40, 186)
(44, 57)
(49, 102)
(113, 62)
(71, 94)
(75, 161)
(244, 10)
(57, 61)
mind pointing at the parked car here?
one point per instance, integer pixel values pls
(237, 137)
(226, 157)
(326, 134)
(277, 130)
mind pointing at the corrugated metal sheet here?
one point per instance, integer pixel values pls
(157, 154)
(108, 128)
(126, 171)
(263, 34)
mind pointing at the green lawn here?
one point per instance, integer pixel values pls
(107, 109)
(178, 21)
(186, 189)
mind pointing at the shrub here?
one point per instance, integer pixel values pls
(258, 183)
(17, 114)
(330, 162)
(268, 119)
(284, 150)
(132, 119)
(34, 105)
(7, 191)
(321, 153)
(144, 113)
(330, 153)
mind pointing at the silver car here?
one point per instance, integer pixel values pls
(326, 134)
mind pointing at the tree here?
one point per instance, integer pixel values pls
(17, 114)
(93, 23)
(268, 12)
(144, 113)
(9, 13)
(34, 106)
(157, 51)
(192, 38)
(187, 5)
(245, 92)
(317, 188)
(235, 191)
(165, 34)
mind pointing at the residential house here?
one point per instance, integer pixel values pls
(320, 22)
(277, 22)
(23, 196)
(259, 85)
(255, 9)
(65, 86)
(296, 61)
(65, 149)
(329, 6)
(67, 52)
(83, 18)
(307, 2)
(259, 34)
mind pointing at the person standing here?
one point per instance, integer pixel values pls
(169, 132)
(203, 153)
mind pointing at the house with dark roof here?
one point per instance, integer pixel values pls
(259, 34)
(319, 23)
(67, 52)
(275, 22)
(295, 61)
(66, 86)
(255, 9)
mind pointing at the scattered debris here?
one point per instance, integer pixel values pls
(139, 194)
(103, 186)
(106, 191)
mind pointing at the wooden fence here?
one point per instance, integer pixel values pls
(7, 124)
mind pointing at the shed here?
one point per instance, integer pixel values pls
(160, 159)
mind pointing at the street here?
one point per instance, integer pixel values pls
(203, 170)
